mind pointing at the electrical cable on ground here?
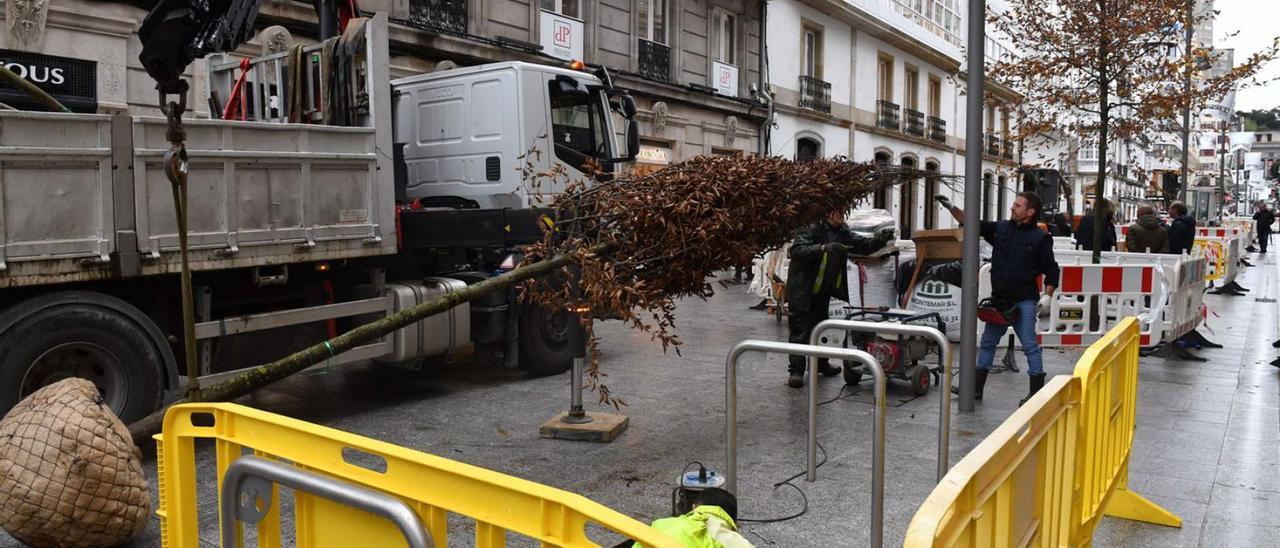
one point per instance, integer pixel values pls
(804, 509)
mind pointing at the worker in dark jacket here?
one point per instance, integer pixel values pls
(815, 274)
(1084, 233)
(1147, 235)
(1182, 229)
(1020, 253)
(1263, 220)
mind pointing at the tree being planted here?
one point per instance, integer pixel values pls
(1108, 69)
(636, 244)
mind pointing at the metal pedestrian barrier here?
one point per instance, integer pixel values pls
(944, 413)
(1047, 475)
(354, 491)
(877, 452)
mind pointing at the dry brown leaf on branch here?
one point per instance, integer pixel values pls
(667, 231)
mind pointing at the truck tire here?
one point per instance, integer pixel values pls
(544, 341)
(61, 338)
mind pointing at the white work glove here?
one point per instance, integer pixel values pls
(1042, 307)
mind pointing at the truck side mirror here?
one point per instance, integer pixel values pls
(628, 107)
(633, 137)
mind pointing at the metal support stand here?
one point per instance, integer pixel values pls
(1194, 338)
(848, 354)
(1232, 288)
(944, 411)
(578, 339)
(1008, 363)
(578, 424)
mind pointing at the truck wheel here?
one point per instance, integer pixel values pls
(94, 342)
(544, 341)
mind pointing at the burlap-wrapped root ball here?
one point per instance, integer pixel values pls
(69, 472)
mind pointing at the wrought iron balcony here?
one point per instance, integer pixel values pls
(915, 123)
(815, 94)
(1007, 149)
(439, 15)
(655, 61)
(887, 115)
(993, 144)
(937, 129)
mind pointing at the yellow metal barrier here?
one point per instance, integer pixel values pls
(1003, 493)
(432, 486)
(1049, 473)
(1108, 372)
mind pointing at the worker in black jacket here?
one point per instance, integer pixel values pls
(1263, 220)
(1182, 229)
(1084, 233)
(815, 274)
(1020, 253)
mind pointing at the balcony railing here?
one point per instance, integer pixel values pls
(937, 129)
(1007, 149)
(655, 61)
(993, 144)
(815, 94)
(887, 115)
(915, 123)
(439, 15)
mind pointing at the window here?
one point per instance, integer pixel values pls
(991, 119)
(724, 32)
(930, 190)
(884, 77)
(880, 200)
(808, 148)
(935, 97)
(652, 18)
(811, 51)
(907, 202)
(563, 7)
(577, 123)
(988, 188)
(1002, 191)
(912, 85)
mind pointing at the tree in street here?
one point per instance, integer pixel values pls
(1108, 70)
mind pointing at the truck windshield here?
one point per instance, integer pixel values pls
(578, 127)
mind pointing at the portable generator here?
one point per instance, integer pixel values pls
(900, 356)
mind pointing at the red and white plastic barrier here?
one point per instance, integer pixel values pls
(1165, 292)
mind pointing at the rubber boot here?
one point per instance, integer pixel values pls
(977, 389)
(828, 370)
(1037, 382)
(795, 379)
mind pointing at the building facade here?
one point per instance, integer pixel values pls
(692, 65)
(881, 80)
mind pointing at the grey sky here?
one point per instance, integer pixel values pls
(1256, 21)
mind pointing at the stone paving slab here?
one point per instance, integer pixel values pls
(1207, 445)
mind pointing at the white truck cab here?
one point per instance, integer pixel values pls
(465, 134)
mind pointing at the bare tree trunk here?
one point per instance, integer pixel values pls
(1100, 186)
(263, 375)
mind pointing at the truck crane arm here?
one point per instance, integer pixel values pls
(176, 32)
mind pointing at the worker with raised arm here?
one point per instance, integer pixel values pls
(1021, 252)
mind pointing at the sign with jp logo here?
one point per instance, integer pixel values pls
(724, 78)
(561, 36)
